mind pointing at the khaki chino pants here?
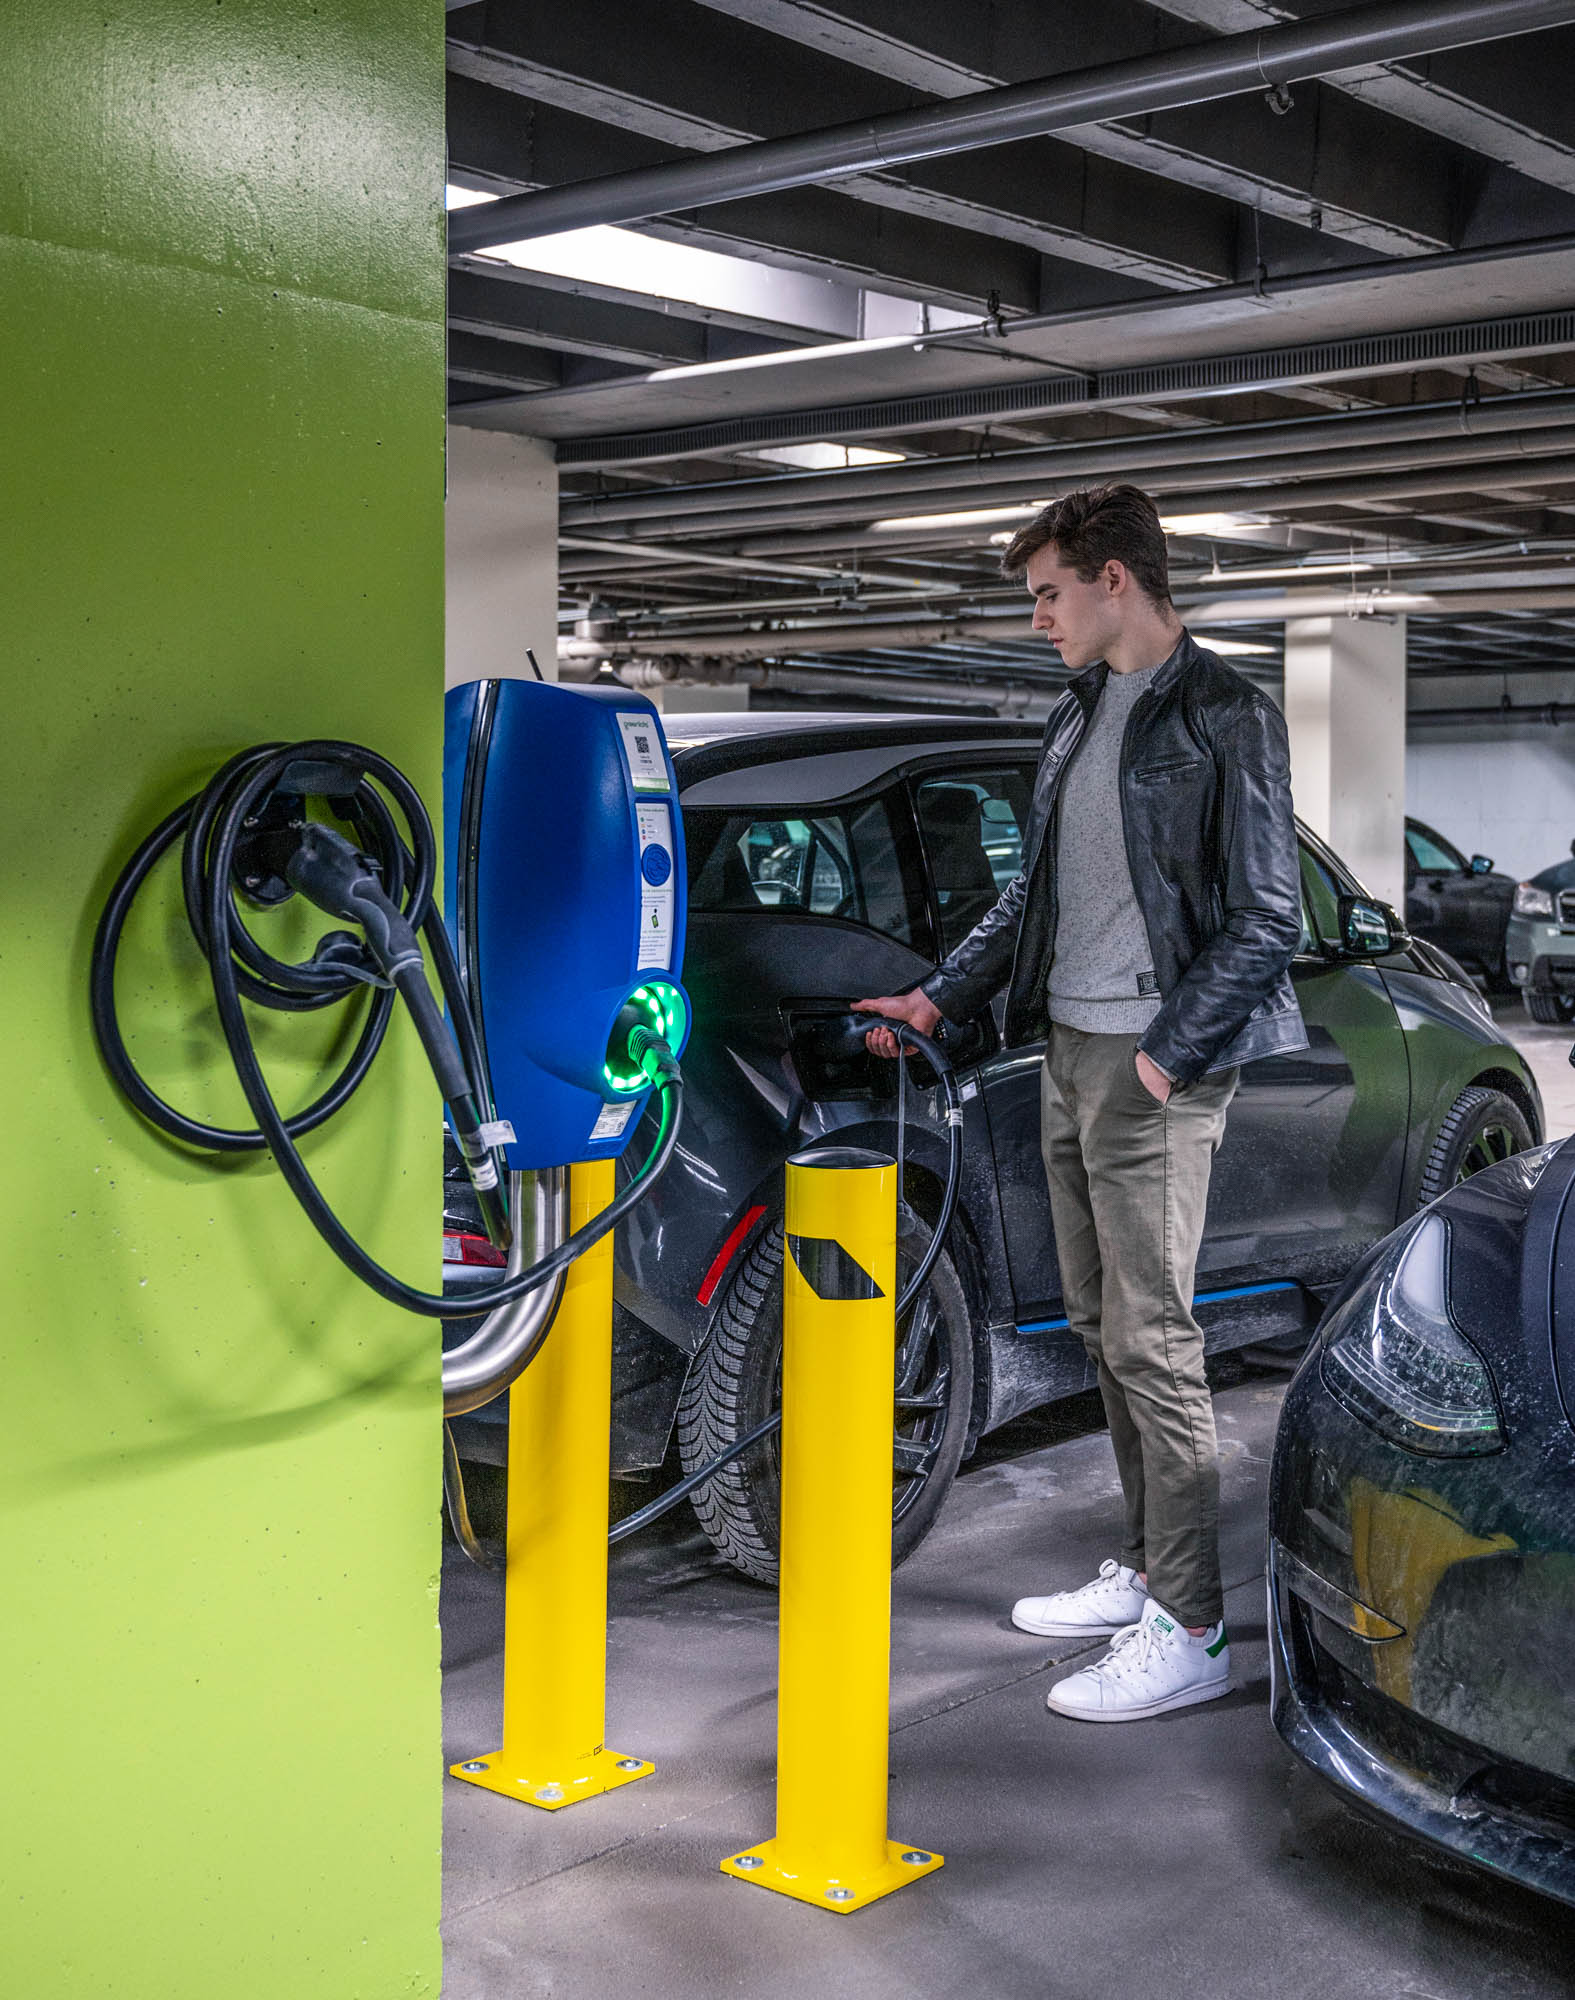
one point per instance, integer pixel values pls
(1129, 1182)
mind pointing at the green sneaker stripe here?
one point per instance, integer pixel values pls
(1219, 1645)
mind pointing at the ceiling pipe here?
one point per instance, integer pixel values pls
(1264, 59)
(1552, 713)
(803, 638)
(1051, 464)
(1013, 627)
(1533, 563)
(1029, 695)
(656, 552)
(1456, 476)
(1159, 473)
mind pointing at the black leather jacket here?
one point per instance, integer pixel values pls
(1211, 842)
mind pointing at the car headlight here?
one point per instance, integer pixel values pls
(1395, 1358)
(1530, 901)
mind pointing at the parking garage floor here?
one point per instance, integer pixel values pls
(1191, 1850)
(1548, 1051)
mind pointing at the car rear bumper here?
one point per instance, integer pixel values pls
(1391, 1762)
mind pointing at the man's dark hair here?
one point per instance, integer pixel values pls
(1093, 526)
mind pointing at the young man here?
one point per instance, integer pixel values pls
(1148, 940)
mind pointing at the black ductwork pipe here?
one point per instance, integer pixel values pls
(808, 493)
(1224, 66)
(1550, 713)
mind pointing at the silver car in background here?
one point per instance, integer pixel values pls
(1539, 945)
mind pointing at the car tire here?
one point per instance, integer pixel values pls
(1551, 1009)
(735, 1383)
(1483, 1127)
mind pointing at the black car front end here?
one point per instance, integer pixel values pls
(1422, 1529)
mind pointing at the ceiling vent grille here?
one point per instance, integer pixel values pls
(1481, 340)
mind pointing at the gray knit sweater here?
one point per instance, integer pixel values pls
(1101, 971)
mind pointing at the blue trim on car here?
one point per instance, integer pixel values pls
(1199, 1299)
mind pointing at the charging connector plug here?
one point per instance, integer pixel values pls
(652, 1055)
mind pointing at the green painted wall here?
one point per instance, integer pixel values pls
(221, 290)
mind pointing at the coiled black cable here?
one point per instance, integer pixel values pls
(392, 885)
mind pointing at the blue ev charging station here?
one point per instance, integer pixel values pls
(564, 874)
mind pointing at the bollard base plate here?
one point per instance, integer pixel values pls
(842, 1894)
(552, 1790)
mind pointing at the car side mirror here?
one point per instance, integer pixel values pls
(1368, 929)
(1481, 864)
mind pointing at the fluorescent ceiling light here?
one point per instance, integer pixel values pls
(1208, 524)
(1306, 572)
(1233, 648)
(823, 350)
(974, 518)
(823, 457)
(624, 260)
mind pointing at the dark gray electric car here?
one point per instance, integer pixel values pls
(1422, 1523)
(831, 857)
(1461, 906)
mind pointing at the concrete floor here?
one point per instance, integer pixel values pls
(1547, 1050)
(1080, 1860)
(1191, 1850)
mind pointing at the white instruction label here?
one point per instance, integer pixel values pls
(611, 1123)
(642, 745)
(658, 887)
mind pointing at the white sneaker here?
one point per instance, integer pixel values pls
(1097, 1611)
(1152, 1666)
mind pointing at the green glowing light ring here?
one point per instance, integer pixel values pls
(663, 1005)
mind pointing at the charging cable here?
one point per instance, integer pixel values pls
(248, 828)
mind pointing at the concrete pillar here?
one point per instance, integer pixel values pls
(221, 370)
(501, 540)
(675, 700)
(1345, 710)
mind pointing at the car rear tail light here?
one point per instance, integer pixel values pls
(466, 1249)
(1395, 1358)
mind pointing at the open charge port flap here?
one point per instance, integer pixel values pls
(831, 1065)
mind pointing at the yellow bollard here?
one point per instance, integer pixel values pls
(555, 1590)
(834, 1699)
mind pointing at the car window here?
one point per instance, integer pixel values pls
(841, 863)
(1431, 854)
(1320, 903)
(972, 827)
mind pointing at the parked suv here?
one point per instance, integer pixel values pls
(1540, 943)
(831, 856)
(1461, 906)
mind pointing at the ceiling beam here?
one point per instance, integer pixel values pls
(511, 143)
(1201, 72)
(1509, 103)
(672, 72)
(497, 302)
(1343, 167)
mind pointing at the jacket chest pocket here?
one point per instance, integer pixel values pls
(1171, 771)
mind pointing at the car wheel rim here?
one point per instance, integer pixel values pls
(924, 1388)
(923, 1395)
(1492, 1144)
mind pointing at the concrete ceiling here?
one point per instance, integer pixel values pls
(1397, 236)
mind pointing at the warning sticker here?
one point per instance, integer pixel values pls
(610, 1125)
(658, 888)
(642, 745)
